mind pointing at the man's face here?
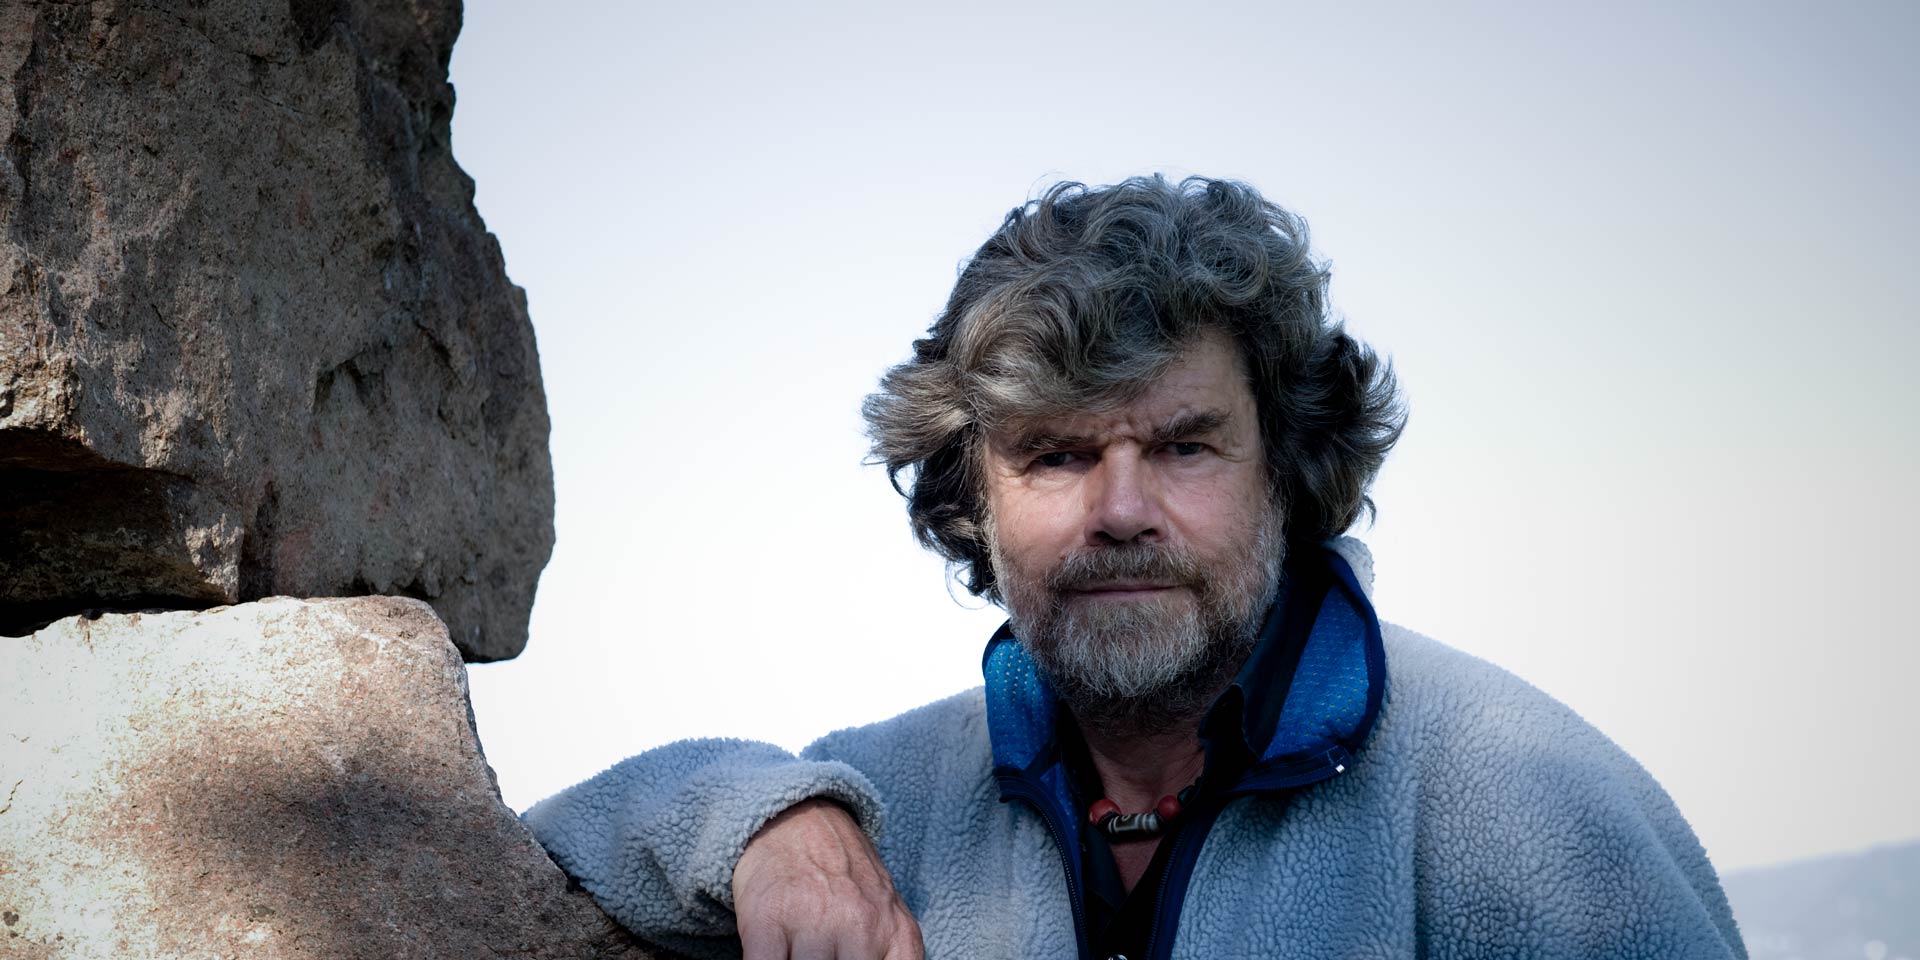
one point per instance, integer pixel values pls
(1137, 549)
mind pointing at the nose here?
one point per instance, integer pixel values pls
(1124, 501)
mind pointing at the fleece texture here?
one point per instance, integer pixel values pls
(1480, 818)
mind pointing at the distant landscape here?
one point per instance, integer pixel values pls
(1858, 906)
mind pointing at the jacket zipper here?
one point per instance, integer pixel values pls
(1160, 947)
(1160, 895)
(1326, 766)
(1082, 937)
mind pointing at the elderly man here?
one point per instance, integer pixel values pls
(1136, 428)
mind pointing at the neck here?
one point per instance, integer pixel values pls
(1136, 771)
(1150, 748)
(1143, 755)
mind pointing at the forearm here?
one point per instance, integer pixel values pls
(656, 838)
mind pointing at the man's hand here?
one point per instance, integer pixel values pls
(810, 886)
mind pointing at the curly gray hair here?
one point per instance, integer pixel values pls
(1081, 299)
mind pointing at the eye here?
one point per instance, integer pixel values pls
(1186, 448)
(1053, 459)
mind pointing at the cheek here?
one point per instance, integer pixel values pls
(1033, 530)
(1220, 513)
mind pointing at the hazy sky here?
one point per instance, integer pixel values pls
(1647, 275)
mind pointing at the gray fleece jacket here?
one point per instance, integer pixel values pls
(1460, 814)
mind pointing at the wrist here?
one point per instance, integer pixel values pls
(797, 830)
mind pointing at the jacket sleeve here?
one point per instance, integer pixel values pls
(655, 837)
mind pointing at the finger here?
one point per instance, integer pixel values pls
(848, 932)
(906, 943)
(907, 950)
(762, 941)
(813, 945)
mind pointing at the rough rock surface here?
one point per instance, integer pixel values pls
(279, 779)
(254, 338)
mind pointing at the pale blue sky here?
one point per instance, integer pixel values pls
(1647, 276)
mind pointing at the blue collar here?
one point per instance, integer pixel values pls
(1297, 712)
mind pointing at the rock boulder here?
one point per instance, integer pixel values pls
(282, 779)
(254, 337)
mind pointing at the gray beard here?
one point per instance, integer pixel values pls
(1150, 666)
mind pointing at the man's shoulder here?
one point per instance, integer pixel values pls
(1473, 734)
(1440, 689)
(1519, 805)
(951, 726)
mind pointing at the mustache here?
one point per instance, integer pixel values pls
(1128, 561)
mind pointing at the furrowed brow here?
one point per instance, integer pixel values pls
(1190, 425)
(1040, 440)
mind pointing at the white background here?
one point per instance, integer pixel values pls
(1648, 278)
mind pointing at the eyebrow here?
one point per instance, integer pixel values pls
(1181, 426)
(1186, 426)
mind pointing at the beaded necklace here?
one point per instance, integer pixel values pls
(1106, 815)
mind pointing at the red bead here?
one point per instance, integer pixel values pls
(1168, 808)
(1102, 809)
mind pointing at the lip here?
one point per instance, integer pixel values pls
(1124, 590)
